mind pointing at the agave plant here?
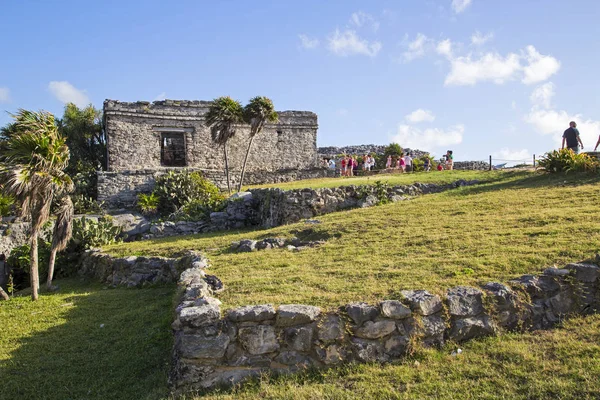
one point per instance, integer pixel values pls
(32, 171)
(257, 113)
(222, 117)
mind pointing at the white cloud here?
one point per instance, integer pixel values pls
(416, 48)
(512, 157)
(478, 39)
(348, 43)
(427, 139)
(342, 112)
(420, 115)
(539, 67)
(542, 95)
(513, 105)
(360, 19)
(550, 122)
(4, 95)
(307, 42)
(460, 5)
(489, 67)
(444, 48)
(67, 93)
(161, 96)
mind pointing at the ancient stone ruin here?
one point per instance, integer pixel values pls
(146, 139)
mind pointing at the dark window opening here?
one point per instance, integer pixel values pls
(172, 149)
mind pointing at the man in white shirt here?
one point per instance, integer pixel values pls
(408, 162)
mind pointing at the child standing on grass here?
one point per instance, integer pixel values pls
(388, 163)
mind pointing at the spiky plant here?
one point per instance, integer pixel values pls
(32, 170)
(63, 230)
(222, 117)
(257, 113)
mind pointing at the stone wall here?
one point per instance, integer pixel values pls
(134, 134)
(120, 189)
(135, 271)
(214, 348)
(333, 151)
(472, 165)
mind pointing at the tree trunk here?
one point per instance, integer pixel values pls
(244, 164)
(34, 274)
(3, 294)
(227, 168)
(51, 269)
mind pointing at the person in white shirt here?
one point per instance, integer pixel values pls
(408, 162)
(331, 163)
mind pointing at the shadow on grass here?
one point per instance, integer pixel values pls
(527, 180)
(108, 344)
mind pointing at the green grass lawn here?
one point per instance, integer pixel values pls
(559, 364)
(86, 342)
(520, 223)
(392, 179)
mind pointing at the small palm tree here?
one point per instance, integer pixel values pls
(257, 113)
(222, 117)
(32, 170)
(63, 230)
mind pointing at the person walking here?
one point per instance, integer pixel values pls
(449, 160)
(571, 138)
(427, 164)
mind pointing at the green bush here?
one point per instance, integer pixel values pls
(566, 160)
(88, 233)
(148, 203)
(6, 205)
(83, 204)
(19, 262)
(177, 189)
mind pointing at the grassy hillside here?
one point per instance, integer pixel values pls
(392, 179)
(520, 223)
(86, 342)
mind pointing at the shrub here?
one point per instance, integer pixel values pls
(88, 233)
(177, 189)
(6, 205)
(566, 160)
(147, 203)
(86, 205)
(418, 165)
(19, 262)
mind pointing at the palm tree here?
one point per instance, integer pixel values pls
(222, 117)
(63, 230)
(32, 170)
(257, 113)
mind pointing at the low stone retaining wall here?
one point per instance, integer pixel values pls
(120, 189)
(136, 271)
(471, 165)
(214, 349)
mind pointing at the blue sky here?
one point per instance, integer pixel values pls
(481, 77)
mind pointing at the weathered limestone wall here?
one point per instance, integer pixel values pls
(472, 165)
(134, 132)
(119, 189)
(214, 349)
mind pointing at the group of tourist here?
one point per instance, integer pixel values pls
(350, 165)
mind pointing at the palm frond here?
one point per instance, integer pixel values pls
(63, 228)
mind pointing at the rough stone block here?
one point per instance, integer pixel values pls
(422, 302)
(201, 346)
(258, 339)
(585, 272)
(361, 312)
(200, 315)
(332, 354)
(464, 301)
(252, 313)
(504, 297)
(469, 328)
(331, 328)
(296, 314)
(433, 325)
(396, 346)
(375, 330)
(394, 309)
(293, 358)
(300, 338)
(369, 350)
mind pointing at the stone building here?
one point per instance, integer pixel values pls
(146, 139)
